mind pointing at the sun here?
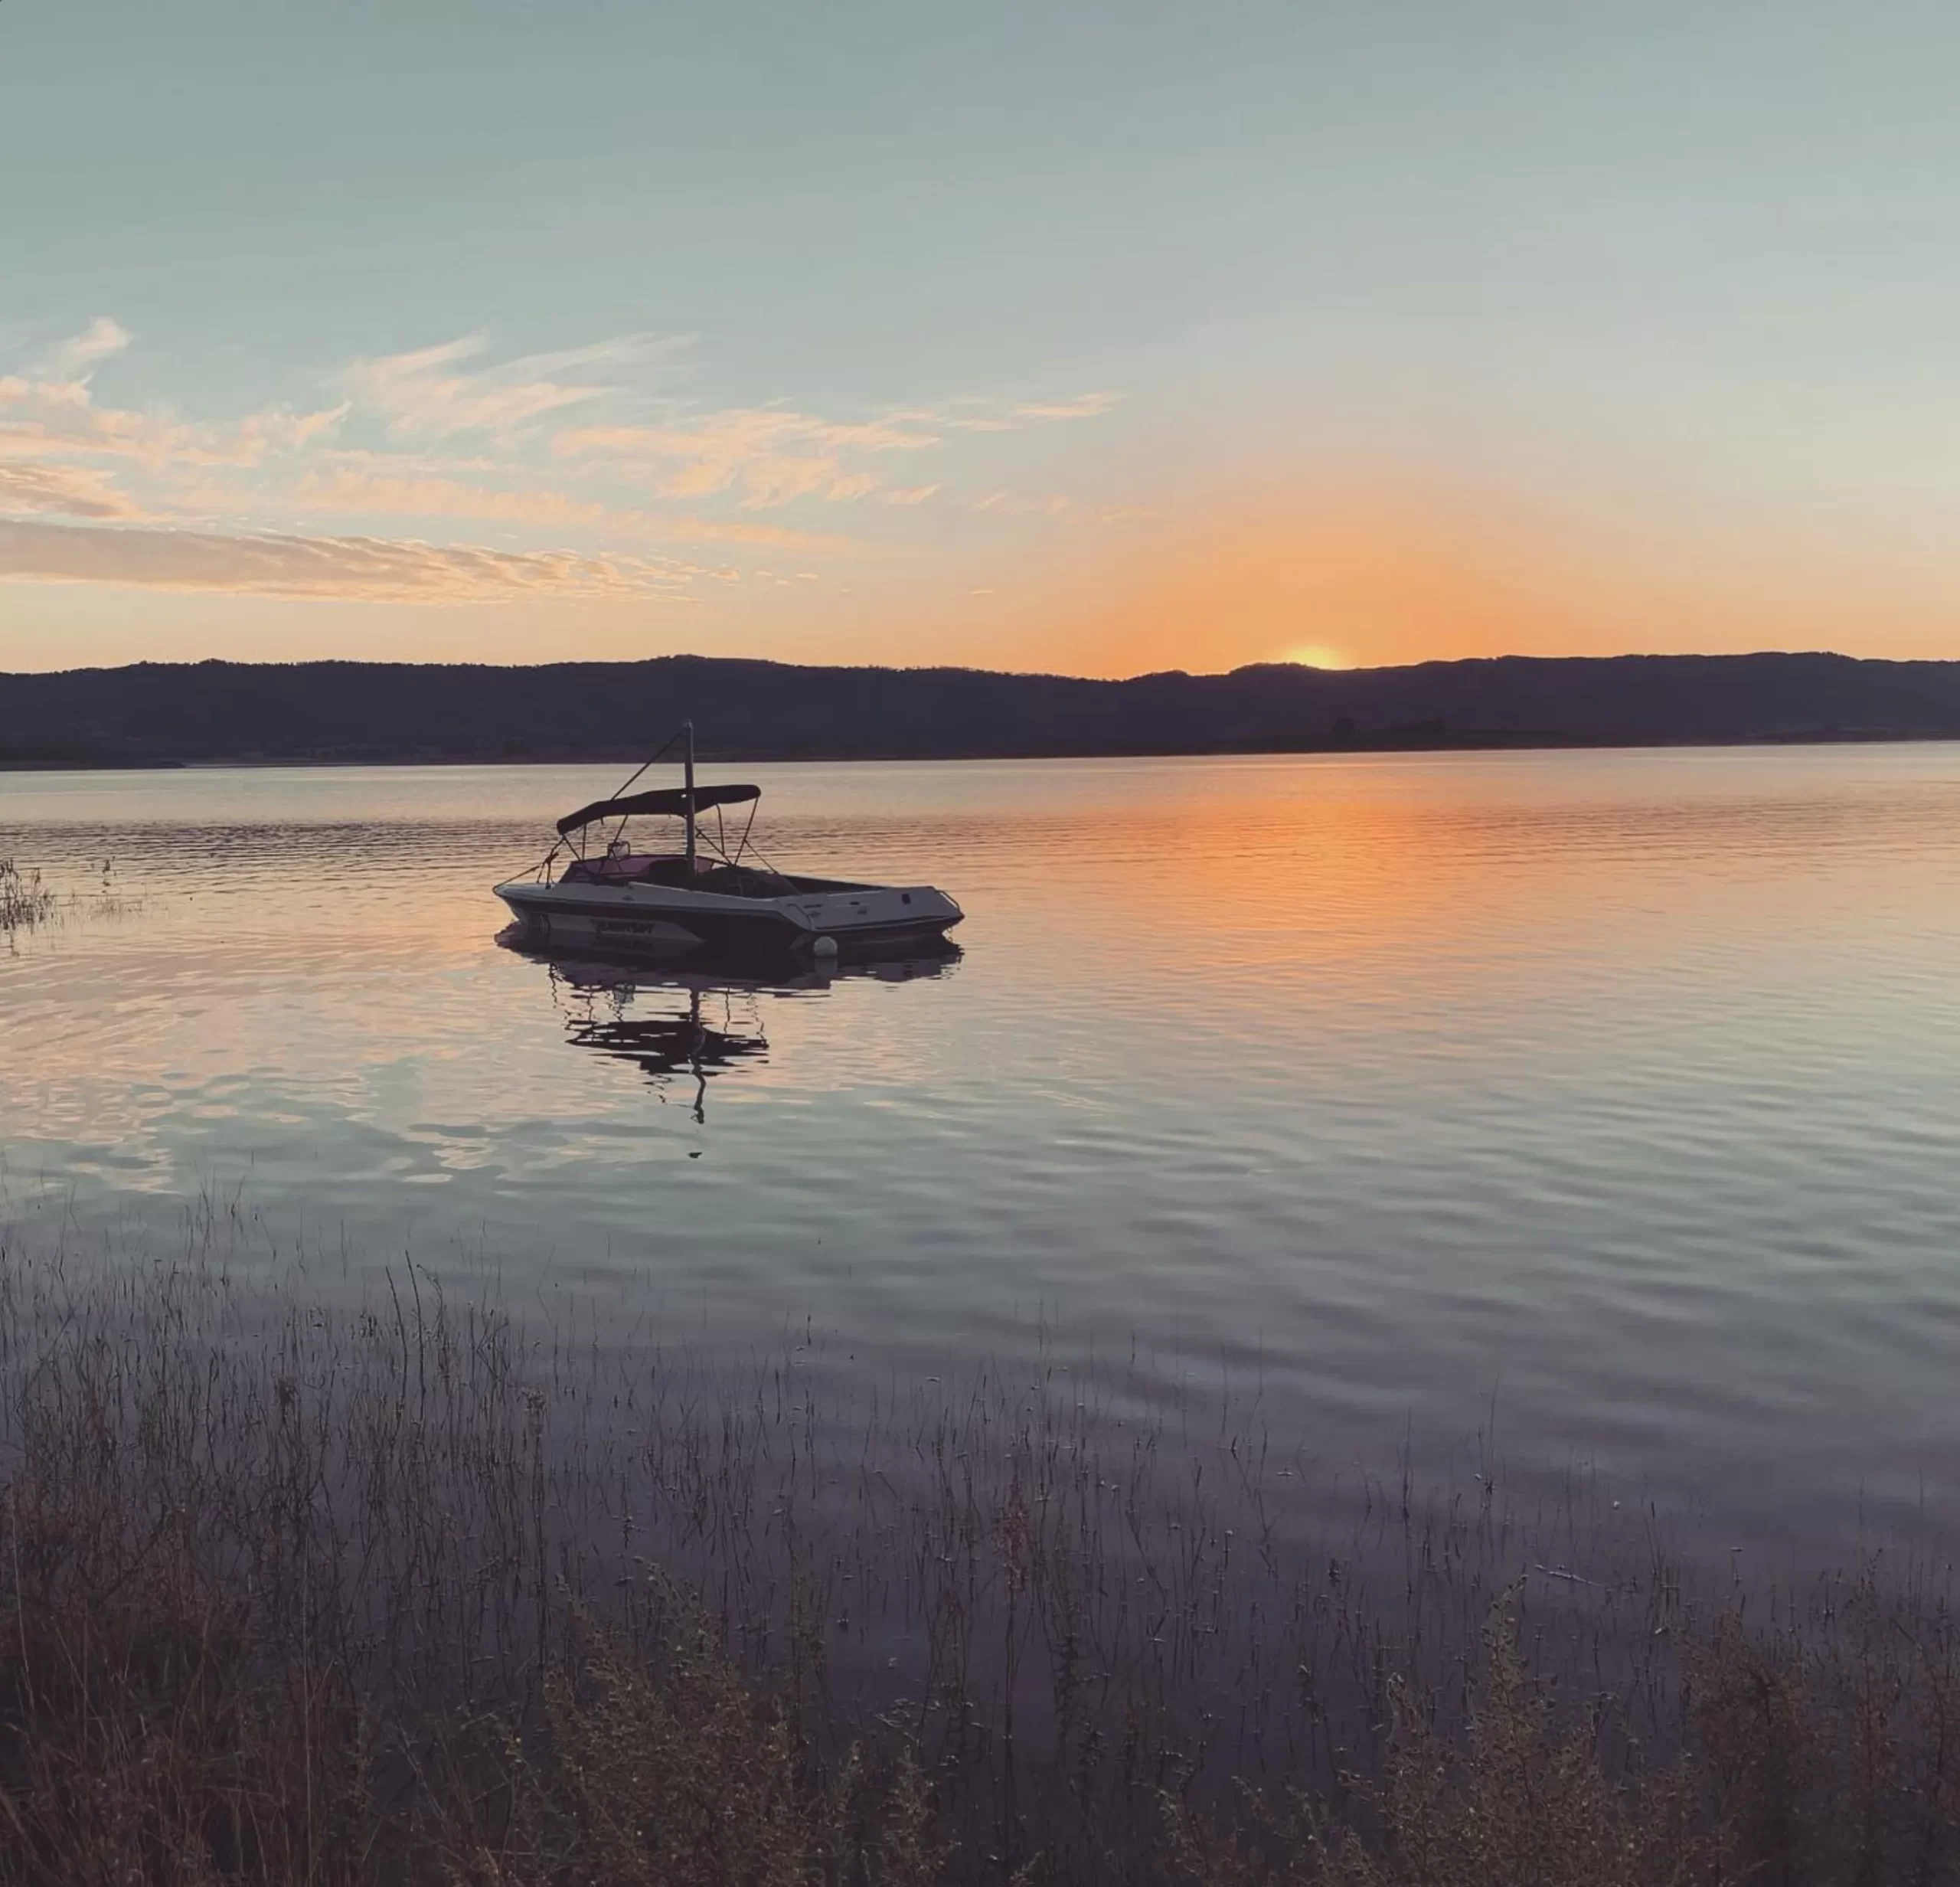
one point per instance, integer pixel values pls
(1315, 654)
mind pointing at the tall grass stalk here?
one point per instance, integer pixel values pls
(28, 902)
(24, 900)
(403, 1593)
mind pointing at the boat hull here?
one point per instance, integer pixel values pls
(666, 921)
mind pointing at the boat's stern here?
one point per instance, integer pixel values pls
(859, 914)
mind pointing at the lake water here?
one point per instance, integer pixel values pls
(1612, 1099)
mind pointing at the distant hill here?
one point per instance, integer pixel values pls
(153, 713)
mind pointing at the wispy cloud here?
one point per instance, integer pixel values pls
(63, 490)
(432, 393)
(380, 493)
(573, 444)
(766, 455)
(976, 413)
(278, 429)
(75, 356)
(42, 418)
(772, 455)
(358, 490)
(1022, 505)
(1084, 406)
(363, 569)
(46, 417)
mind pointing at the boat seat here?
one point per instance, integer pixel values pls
(670, 871)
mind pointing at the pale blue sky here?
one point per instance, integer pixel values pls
(920, 333)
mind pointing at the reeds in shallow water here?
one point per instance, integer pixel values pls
(289, 1594)
(24, 901)
(28, 902)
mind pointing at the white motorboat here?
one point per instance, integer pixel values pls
(608, 896)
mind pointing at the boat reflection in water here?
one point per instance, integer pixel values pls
(678, 1025)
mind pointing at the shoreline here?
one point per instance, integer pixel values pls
(1467, 743)
(406, 713)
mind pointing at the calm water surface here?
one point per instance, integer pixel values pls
(1613, 1095)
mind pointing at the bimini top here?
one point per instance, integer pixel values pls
(670, 800)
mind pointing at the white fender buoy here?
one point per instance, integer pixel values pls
(826, 947)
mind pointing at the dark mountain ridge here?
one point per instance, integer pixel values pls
(151, 713)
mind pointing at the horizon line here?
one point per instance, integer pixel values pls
(962, 668)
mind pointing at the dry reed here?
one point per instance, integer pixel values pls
(402, 1594)
(24, 900)
(27, 901)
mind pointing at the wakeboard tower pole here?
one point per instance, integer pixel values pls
(687, 797)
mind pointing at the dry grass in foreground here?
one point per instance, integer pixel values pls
(290, 1597)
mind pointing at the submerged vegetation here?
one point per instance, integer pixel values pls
(402, 1594)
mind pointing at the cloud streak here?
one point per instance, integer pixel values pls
(1087, 406)
(431, 394)
(766, 455)
(64, 490)
(769, 456)
(359, 491)
(351, 568)
(975, 413)
(1003, 504)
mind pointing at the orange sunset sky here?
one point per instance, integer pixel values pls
(1099, 338)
